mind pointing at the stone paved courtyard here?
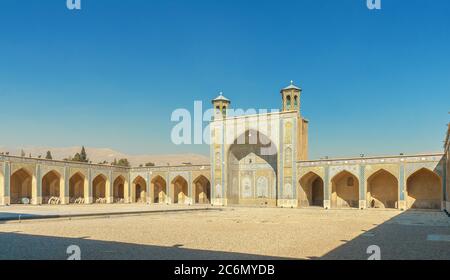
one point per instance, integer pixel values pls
(229, 233)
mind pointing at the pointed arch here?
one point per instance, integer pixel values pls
(288, 102)
(382, 190)
(52, 184)
(252, 151)
(344, 190)
(139, 190)
(99, 188)
(179, 190)
(27, 169)
(202, 190)
(77, 188)
(311, 190)
(158, 189)
(424, 190)
(21, 186)
(119, 189)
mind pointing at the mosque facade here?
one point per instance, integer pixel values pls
(255, 160)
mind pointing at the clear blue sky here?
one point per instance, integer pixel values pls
(374, 82)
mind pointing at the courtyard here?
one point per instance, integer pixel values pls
(161, 232)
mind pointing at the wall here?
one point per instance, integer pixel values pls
(345, 195)
(39, 168)
(382, 191)
(402, 167)
(447, 162)
(424, 190)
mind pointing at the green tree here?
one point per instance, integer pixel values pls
(22, 153)
(76, 157)
(49, 155)
(149, 164)
(83, 155)
(121, 162)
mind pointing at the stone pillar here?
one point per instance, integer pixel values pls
(219, 173)
(189, 181)
(126, 189)
(5, 185)
(212, 158)
(64, 186)
(109, 192)
(152, 192)
(132, 192)
(168, 186)
(326, 188)
(62, 190)
(362, 188)
(88, 199)
(149, 189)
(280, 167)
(36, 186)
(2, 186)
(401, 188)
(194, 191)
(444, 186)
(172, 192)
(295, 143)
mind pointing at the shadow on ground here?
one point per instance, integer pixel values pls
(15, 246)
(10, 216)
(413, 234)
(410, 235)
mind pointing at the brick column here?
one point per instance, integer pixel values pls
(401, 188)
(64, 186)
(36, 186)
(109, 188)
(88, 199)
(5, 185)
(326, 188)
(362, 187)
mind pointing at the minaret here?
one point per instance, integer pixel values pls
(221, 104)
(291, 103)
(291, 98)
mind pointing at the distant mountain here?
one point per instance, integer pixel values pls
(97, 155)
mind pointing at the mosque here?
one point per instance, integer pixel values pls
(255, 160)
